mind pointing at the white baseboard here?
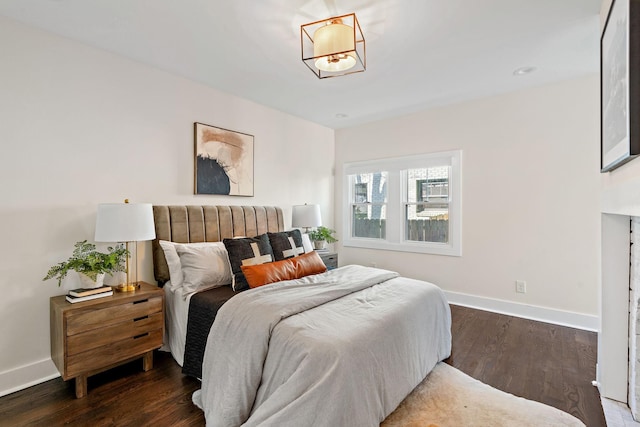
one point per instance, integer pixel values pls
(25, 376)
(532, 312)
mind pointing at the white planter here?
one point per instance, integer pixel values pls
(88, 283)
(319, 244)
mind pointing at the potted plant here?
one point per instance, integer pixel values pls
(321, 236)
(87, 261)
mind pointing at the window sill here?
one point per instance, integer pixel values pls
(421, 248)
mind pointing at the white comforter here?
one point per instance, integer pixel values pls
(342, 348)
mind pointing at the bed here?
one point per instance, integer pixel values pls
(342, 347)
(193, 225)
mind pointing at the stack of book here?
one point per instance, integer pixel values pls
(86, 294)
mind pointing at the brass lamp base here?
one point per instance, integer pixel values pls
(127, 287)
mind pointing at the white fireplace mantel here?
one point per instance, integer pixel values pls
(619, 202)
(622, 198)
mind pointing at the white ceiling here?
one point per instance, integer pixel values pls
(420, 53)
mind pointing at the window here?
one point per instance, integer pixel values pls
(369, 205)
(406, 204)
(427, 206)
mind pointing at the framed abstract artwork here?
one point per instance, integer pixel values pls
(223, 161)
(620, 85)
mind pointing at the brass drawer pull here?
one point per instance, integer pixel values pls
(140, 336)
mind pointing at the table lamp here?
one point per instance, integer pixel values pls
(125, 222)
(306, 216)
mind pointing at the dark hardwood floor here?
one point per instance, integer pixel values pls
(538, 361)
(547, 363)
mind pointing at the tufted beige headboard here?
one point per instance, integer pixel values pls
(190, 224)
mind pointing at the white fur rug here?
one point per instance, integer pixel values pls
(449, 398)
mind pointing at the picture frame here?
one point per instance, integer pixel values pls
(223, 161)
(620, 85)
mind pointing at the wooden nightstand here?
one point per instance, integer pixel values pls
(330, 259)
(93, 336)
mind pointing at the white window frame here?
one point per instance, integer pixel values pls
(396, 198)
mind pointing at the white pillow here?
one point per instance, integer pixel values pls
(204, 266)
(176, 275)
(306, 243)
(173, 261)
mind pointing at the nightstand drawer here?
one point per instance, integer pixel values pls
(112, 353)
(101, 336)
(100, 318)
(330, 259)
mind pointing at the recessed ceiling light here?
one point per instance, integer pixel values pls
(523, 70)
(341, 116)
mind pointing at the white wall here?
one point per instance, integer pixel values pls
(530, 198)
(80, 126)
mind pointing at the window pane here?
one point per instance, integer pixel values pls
(369, 220)
(361, 192)
(428, 184)
(369, 187)
(427, 222)
(427, 210)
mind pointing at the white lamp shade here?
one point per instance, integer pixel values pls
(306, 216)
(334, 44)
(124, 222)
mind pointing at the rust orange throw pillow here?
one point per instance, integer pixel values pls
(287, 269)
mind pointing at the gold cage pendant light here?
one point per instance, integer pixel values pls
(334, 47)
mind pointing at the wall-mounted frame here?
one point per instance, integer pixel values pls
(223, 161)
(620, 85)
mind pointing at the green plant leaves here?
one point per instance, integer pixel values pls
(323, 233)
(86, 259)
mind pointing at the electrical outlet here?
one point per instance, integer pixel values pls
(521, 286)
